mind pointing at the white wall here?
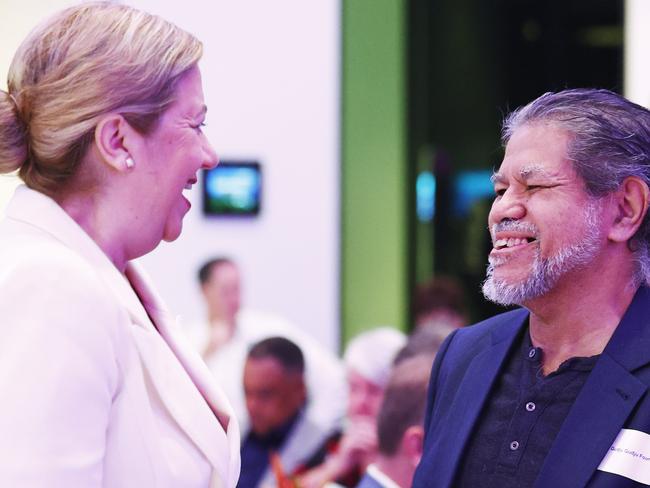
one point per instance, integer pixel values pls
(271, 80)
(637, 51)
(17, 18)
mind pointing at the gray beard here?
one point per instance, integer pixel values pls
(545, 272)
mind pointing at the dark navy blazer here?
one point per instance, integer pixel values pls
(613, 397)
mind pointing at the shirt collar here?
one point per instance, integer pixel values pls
(380, 476)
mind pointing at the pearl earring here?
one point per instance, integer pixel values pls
(129, 162)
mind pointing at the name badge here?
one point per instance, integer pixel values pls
(629, 456)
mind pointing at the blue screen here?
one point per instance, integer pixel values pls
(471, 186)
(425, 195)
(232, 188)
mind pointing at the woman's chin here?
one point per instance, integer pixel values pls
(173, 230)
(174, 223)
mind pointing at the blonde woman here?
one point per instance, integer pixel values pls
(102, 120)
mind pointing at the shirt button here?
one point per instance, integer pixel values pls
(514, 445)
(532, 352)
(530, 406)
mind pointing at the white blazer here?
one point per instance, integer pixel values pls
(98, 386)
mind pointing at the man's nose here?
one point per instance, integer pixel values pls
(508, 206)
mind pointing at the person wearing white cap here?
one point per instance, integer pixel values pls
(368, 360)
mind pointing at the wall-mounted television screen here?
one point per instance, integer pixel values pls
(232, 188)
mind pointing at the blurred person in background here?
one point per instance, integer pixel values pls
(400, 432)
(276, 397)
(421, 341)
(230, 330)
(439, 303)
(368, 359)
(220, 282)
(102, 120)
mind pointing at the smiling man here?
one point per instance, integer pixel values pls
(555, 394)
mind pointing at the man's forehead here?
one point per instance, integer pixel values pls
(526, 172)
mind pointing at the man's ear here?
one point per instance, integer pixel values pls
(412, 443)
(631, 206)
(111, 134)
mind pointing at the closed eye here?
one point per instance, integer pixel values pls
(539, 187)
(199, 127)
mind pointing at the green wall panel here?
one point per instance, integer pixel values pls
(374, 169)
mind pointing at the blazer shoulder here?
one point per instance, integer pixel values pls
(500, 326)
(43, 283)
(36, 253)
(463, 345)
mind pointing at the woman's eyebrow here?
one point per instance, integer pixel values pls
(202, 111)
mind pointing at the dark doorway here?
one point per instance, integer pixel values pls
(470, 62)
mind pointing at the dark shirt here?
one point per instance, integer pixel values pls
(521, 418)
(256, 450)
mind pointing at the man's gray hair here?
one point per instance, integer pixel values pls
(610, 141)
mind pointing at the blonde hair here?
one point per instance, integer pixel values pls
(84, 62)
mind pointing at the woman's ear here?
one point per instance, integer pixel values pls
(631, 206)
(111, 134)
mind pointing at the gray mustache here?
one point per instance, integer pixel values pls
(514, 225)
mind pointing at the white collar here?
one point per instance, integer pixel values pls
(381, 477)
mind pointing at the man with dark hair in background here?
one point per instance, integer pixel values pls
(555, 394)
(399, 425)
(275, 399)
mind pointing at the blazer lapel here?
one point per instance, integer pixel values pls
(599, 413)
(604, 404)
(189, 378)
(470, 398)
(173, 368)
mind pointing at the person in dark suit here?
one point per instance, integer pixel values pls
(555, 394)
(276, 400)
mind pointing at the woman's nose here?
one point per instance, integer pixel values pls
(211, 159)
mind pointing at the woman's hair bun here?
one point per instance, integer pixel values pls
(84, 62)
(13, 135)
